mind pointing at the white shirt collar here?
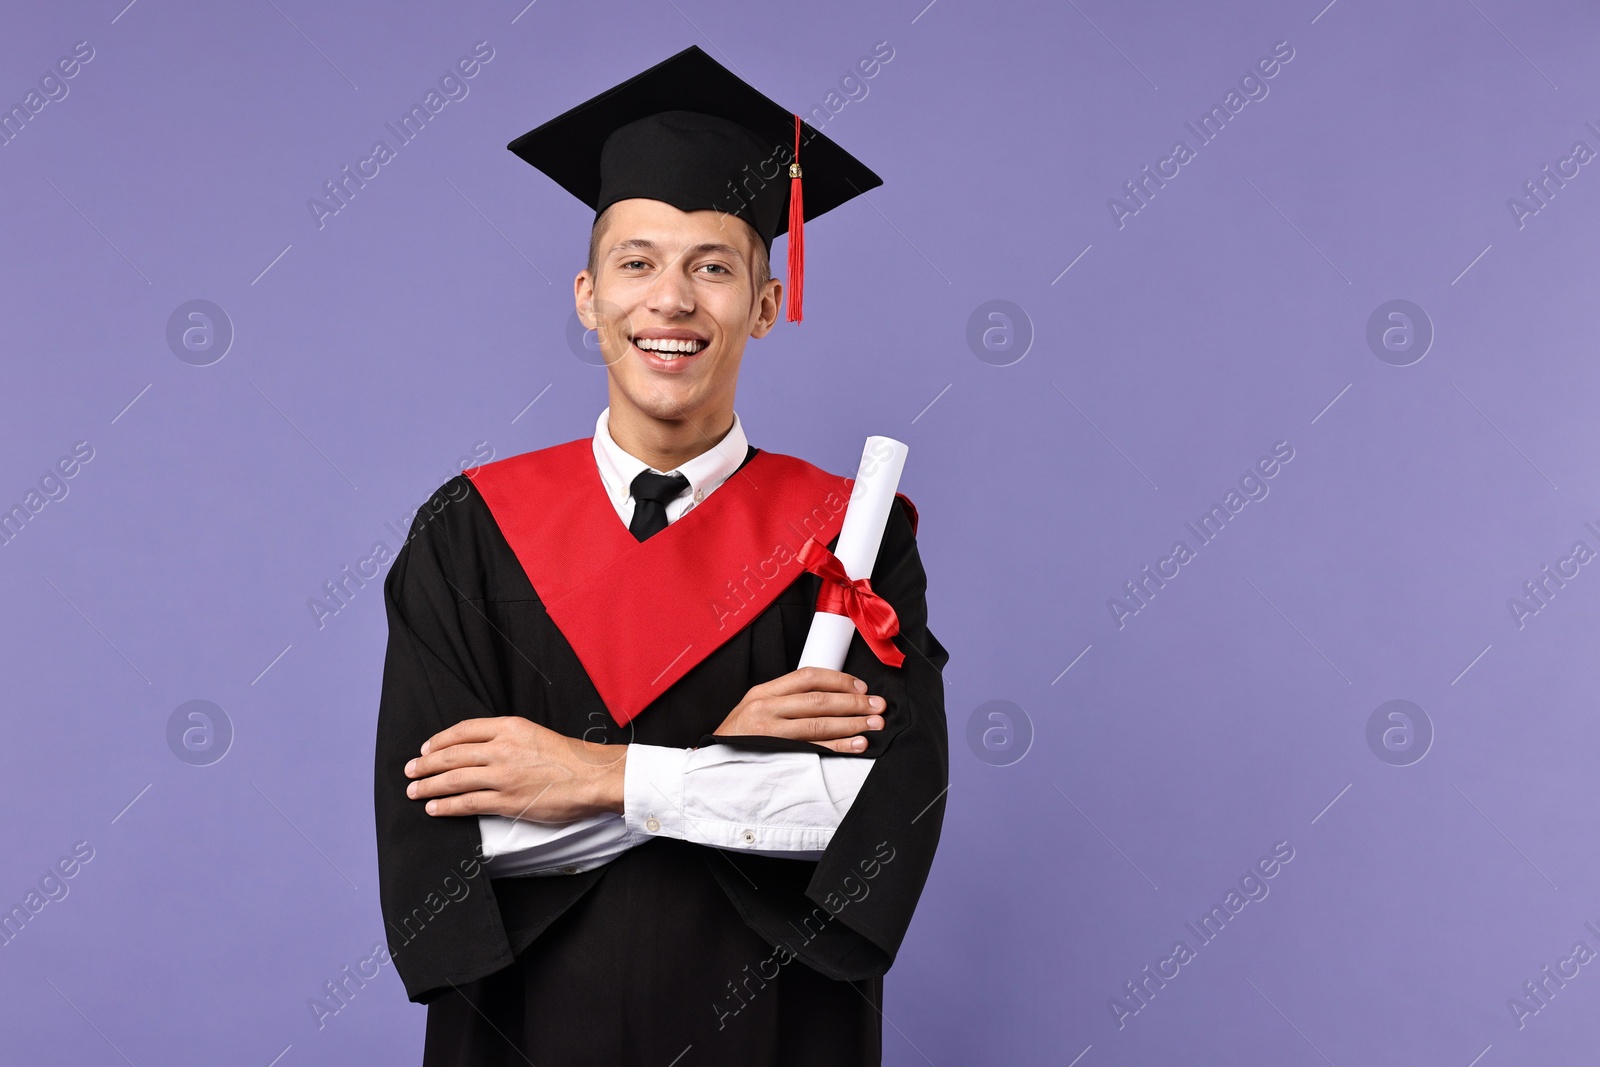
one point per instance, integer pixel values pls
(705, 472)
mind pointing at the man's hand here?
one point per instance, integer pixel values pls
(814, 704)
(514, 767)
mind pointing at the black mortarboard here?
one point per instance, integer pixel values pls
(691, 133)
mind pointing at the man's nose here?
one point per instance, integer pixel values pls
(671, 294)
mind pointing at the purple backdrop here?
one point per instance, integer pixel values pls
(1375, 257)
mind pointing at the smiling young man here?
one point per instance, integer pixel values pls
(615, 825)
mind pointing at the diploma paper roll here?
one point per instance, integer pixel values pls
(865, 516)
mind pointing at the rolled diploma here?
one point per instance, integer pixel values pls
(865, 516)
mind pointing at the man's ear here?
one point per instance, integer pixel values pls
(583, 298)
(768, 301)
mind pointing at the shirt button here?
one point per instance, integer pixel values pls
(699, 495)
(652, 824)
(749, 837)
(569, 869)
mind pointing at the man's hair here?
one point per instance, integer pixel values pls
(763, 262)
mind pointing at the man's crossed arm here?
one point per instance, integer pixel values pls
(549, 804)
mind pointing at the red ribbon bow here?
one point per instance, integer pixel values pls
(842, 595)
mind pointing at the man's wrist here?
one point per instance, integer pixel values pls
(610, 781)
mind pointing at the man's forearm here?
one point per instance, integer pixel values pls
(780, 803)
(524, 846)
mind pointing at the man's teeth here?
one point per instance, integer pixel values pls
(669, 347)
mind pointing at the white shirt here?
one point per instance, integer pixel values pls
(773, 803)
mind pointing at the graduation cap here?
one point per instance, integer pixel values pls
(691, 133)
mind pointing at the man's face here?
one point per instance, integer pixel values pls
(673, 297)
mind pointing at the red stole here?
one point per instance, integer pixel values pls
(641, 614)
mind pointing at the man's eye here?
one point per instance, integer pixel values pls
(716, 268)
(634, 264)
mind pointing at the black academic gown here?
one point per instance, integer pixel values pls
(673, 953)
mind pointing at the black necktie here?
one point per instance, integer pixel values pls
(651, 491)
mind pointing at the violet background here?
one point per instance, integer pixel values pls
(1227, 315)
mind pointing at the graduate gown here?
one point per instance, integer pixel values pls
(673, 953)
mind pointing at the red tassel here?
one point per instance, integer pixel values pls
(797, 236)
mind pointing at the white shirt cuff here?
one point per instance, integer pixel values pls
(652, 790)
(780, 803)
(514, 847)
